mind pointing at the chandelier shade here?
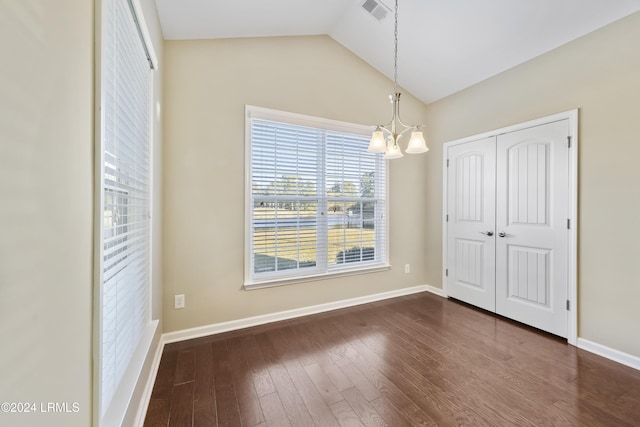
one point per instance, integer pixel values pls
(417, 144)
(377, 143)
(393, 152)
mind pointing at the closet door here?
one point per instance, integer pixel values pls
(471, 222)
(531, 226)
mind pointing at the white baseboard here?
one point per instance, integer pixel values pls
(248, 322)
(433, 290)
(610, 353)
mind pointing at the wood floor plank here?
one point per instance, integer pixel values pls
(418, 360)
(307, 352)
(326, 360)
(248, 402)
(227, 409)
(428, 412)
(334, 346)
(204, 405)
(291, 400)
(476, 370)
(273, 410)
(204, 412)
(488, 403)
(163, 385)
(351, 370)
(257, 365)
(361, 382)
(335, 374)
(583, 412)
(317, 407)
(323, 384)
(361, 406)
(443, 395)
(182, 405)
(345, 415)
(185, 367)
(524, 386)
(158, 413)
(296, 350)
(550, 383)
(388, 384)
(392, 415)
(280, 348)
(629, 401)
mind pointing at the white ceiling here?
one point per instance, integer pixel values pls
(444, 45)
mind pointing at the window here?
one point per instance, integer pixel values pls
(315, 198)
(125, 191)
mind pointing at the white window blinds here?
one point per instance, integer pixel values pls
(317, 198)
(125, 230)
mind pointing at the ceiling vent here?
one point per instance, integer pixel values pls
(376, 8)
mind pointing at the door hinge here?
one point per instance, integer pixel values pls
(568, 224)
(447, 217)
(447, 162)
(568, 305)
(446, 272)
(569, 141)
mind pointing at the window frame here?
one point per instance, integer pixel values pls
(111, 408)
(326, 270)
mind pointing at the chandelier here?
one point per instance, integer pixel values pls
(385, 137)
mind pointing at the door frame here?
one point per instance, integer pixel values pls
(572, 244)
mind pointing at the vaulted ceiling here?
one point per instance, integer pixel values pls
(444, 45)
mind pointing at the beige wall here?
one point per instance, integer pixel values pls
(46, 205)
(206, 86)
(600, 75)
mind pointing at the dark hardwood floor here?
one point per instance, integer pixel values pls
(411, 361)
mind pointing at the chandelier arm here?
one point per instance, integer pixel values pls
(397, 112)
(406, 125)
(406, 130)
(403, 123)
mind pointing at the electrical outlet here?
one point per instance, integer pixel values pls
(407, 268)
(178, 301)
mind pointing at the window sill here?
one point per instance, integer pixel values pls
(248, 286)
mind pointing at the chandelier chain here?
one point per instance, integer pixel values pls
(395, 51)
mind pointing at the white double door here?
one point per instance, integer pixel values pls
(507, 213)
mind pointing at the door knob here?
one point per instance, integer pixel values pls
(503, 234)
(487, 233)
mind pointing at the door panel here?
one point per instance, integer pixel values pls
(471, 207)
(528, 278)
(531, 212)
(528, 185)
